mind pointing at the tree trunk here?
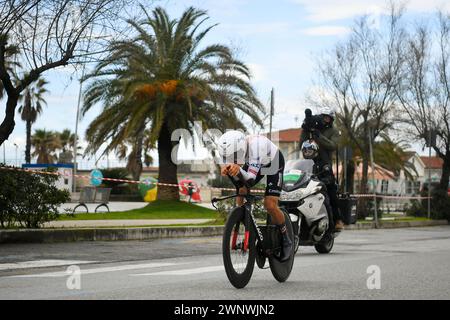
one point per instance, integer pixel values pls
(135, 161)
(167, 169)
(7, 126)
(350, 176)
(443, 184)
(362, 208)
(28, 145)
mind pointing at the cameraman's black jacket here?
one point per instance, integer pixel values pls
(328, 143)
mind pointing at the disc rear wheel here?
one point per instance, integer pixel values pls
(282, 270)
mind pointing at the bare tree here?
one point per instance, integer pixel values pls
(358, 78)
(424, 88)
(49, 34)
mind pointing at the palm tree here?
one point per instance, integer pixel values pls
(32, 99)
(162, 80)
(388, 153)
(45, 143)
(392, 156)
(67, 139)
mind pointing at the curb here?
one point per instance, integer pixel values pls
(393, 225)
(146, 233)
(105, 234)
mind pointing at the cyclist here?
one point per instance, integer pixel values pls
(253, 157)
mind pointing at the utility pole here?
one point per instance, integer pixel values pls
(429, 178)
(431, 141)
(272, 102)
(75, 143)
(345, 169)
(77, 119)
(373, 179)
(17, 161)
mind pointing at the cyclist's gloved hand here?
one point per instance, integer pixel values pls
(224, 170)
(233, 169)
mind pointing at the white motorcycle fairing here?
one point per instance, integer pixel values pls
(313, 208)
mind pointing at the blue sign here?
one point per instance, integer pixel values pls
(96, 177)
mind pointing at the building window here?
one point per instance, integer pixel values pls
(384, 186)
(412, 187)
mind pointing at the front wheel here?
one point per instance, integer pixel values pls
(325, 245)
(238, 256)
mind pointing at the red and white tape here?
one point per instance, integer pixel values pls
(368, 195)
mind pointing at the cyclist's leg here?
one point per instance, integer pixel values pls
(273, 189)
(271, 205)
(273, 192)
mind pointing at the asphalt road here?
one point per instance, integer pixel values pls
(414, 263)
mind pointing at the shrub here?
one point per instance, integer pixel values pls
(118, 187)
(371, 207)
(29, 200)
(440, 203)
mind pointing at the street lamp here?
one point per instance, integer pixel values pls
(17, 161)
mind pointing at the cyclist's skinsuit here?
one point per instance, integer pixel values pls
(263, 158)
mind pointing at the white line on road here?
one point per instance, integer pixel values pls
(96, 270)
(40, 264)
(186, 271)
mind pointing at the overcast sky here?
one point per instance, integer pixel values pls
(277, 39)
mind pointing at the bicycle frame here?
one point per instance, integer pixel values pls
(249, 218)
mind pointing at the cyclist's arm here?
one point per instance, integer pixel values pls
(249, 176)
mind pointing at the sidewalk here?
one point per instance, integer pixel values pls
(115, 206)
(155, 232)
(121, 223)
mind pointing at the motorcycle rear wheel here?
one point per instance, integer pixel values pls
(325, 245)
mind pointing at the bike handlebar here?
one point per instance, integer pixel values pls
(248, 197)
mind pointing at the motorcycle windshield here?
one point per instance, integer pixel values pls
(305, 166)
(297, 173)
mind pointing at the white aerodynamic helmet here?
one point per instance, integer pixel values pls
(232, 147)
(327, 111)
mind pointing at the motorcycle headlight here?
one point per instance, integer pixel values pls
(294, 195)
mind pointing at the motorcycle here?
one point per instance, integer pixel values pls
(304, 197)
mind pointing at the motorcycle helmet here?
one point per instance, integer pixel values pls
(232, 147)
(327, 111)
(310, 149)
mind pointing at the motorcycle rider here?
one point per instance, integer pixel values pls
(325, 137)
(253, 157)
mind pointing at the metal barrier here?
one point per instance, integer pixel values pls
(94, 195)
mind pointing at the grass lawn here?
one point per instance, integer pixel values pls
(397, 219)
(155, 210)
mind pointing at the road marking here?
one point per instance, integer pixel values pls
(40, 264)
(96, 270)
(183, 272)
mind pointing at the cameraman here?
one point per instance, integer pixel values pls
(319, 128)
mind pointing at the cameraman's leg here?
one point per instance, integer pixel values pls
(332, 194)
